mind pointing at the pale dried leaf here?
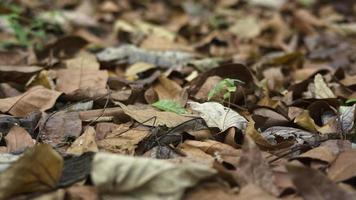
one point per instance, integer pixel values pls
(322, 91)
(143, 178)
(217, 115)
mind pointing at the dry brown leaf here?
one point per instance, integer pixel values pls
(86, 61)
(84, 143)
(344, 166)
(312, 184)
(252, 168)
(167, 89)
(319, 153)
(35, 99)
(208, 85)
(69, 80)
(196, 155)
(148, 115)
(304, 120)
(38, 170)
(211, 191)
(254, 192)
(18, 139)
(82, 192)
(58, 127)
(123, 140)
(262, 142)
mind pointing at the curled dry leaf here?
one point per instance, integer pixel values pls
(217, 115)
(122, 177)
(18, 73)
(35, 99)
(40, 168)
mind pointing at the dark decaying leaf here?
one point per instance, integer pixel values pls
(20, 74)
(75, 168)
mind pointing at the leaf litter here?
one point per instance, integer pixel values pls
(177, 100)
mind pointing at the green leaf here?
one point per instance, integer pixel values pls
(227, 85)
(170, 106)
(351, 101)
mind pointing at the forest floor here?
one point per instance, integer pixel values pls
(133, 99)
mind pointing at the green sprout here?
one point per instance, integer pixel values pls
(227, 85)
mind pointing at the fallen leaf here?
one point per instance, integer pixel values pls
(69, 80)
(252, 168)
(35, 99)
(40, 168)
(170, 106)
(123, 140)
(347, 118)
(19, 74)
(322, 91)
(75, 169)
(167, 89)
(122, 177)
(18, 139)
(304, 120)
(133, 70)
(321, 153)
(210, 191)
(344, 166)
(312, 184)
(217, 115)
(147, 115)
(84, 143)
(246, 28)
(88, 61)
(59, 127)
(254, 192)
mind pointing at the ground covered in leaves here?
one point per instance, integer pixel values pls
(230, 99)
